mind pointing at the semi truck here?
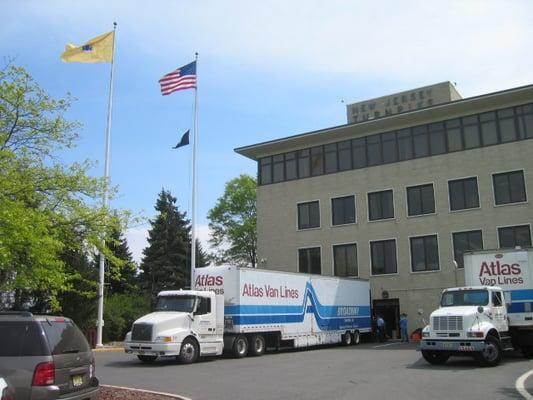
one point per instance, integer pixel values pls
(492, 313)
(244, 310)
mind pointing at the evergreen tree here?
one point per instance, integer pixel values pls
(121, 276)
(166, 261)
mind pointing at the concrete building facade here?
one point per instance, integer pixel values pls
(396, 199)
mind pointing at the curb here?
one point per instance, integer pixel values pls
(170, 395)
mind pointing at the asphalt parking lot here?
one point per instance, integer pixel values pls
(369, 371)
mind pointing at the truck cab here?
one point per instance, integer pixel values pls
(185, 324)
(470, 321)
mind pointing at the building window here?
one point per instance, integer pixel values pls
(421, 199)
(507, 125)
(317, 161)
(345, 260)
(390, 151)
(343, 210)
(304, 164)
(309, 260)
(383, 255)
(453, 132)
(279, 168)
(405, 144)
(380, 205)
(509, 187)
(308, 215)
(373, 145)
(421, 141)
(512, 236)
(265, 172)
(466, 241)
(331, 157)
(489, 128)
(359, 152)
(471, 132)
(345, 155)
(424, 253)
(437, 138)
(290, 166)
(463, 194)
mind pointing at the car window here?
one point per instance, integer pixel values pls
(64, 337)
(21, 338)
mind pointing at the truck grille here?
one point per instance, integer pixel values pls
(448, 323)
(141, 332)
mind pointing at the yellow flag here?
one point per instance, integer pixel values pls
(98, 49)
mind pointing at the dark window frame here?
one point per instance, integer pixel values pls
(425, 255)
(395, 253)
(381, 209)
(510, 192)
(453, 206)
(344, 208)
(423, 211)
(345, 245)
(455, 250)
(309, 258)
(299, 225)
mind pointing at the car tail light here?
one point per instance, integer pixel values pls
(44, 374)
(6, 395)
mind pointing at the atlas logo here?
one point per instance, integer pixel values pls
(208, 280)
(495, 268)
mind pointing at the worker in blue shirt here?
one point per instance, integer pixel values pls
(381, 328)
(403, 328)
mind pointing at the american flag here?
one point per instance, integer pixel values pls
(182, 78)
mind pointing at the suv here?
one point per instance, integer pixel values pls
(45, 357)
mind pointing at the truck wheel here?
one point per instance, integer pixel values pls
(492, 354)
(188, 351)
(435, 357)
(257, 345)
(347, 339)
(356, 338)
(240, 346)
(147, 359)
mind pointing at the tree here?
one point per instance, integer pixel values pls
(166, 261)
(121, 276)
(47, 209)
(233, 222)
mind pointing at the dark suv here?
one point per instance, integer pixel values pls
(44, 357)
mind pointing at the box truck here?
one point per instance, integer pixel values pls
(243, 311)
(491, 314)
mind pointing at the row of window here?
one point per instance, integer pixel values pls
(485, 129)
(509, 187)
(424, 251)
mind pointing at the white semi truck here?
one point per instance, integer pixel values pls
(491, 314)
(244, 311)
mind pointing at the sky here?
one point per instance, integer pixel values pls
(266, 70)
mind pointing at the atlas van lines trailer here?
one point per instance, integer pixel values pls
(244, 310)
(492, 313)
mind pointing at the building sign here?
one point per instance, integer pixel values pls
(400, 102)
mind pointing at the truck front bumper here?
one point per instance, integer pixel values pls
(459, 346)
(152, 349)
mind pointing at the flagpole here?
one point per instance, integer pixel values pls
(194, 148)
(105, 199)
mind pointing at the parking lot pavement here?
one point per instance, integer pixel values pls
(368, 371)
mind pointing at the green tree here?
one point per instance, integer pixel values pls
(166, 261)
(47, 209)
(121, 271)
(233, 223)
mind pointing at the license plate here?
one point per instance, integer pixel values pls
(77, 380)
(447, 345)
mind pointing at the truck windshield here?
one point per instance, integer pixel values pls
(175, 303)
(465, 298)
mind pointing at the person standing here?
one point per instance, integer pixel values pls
(381, 328)
(403, 328)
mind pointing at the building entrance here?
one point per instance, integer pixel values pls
(389, 309)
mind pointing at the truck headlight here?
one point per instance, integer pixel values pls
(425, 333)
(164, 339)
(475, 334)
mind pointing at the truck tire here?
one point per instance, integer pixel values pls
(492, 354)
(257, 345)
(147, 359)
(347, 339)
(188, 351)
(435, 357)
(240, 346)
(356, 338)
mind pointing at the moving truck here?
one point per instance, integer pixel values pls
(245, 310)
(491, 314)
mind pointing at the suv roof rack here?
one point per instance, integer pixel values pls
(19, 313)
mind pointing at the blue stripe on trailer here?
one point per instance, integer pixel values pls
(327, 317)
(526, 294)
(519, 307)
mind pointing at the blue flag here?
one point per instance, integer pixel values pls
(184, 140)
